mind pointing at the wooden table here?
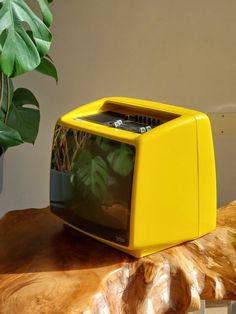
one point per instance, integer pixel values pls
(46, 269)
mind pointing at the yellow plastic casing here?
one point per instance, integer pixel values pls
(174, 184)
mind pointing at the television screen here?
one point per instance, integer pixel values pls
(91, 183)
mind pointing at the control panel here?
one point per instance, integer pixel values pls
(136, 123)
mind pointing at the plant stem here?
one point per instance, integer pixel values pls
(75, 134)
(8, 98)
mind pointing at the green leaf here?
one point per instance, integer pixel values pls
(23, 118)
(48, 68)
(23, 96)
(49, 57)
(46, 13)
(8, 136)
(93, 172)
(104, 143)
(80, 159)
(19, 53)
(121, 160)
(2, 115)
(3, 37)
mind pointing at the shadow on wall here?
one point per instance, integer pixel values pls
(224, 135)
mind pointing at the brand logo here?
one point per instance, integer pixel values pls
(120, 239)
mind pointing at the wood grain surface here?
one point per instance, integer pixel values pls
(45, 268)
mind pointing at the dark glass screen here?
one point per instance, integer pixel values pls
(91, 183)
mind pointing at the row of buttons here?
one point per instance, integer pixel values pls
(142, 129)
(143, 119)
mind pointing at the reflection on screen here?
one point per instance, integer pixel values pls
(91, 183)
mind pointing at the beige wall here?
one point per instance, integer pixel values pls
(179, 52)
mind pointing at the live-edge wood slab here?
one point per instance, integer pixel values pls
(47, 269)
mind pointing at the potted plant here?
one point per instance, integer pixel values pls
(22, 49)
(25, 40)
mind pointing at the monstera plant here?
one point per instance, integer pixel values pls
(25, 40)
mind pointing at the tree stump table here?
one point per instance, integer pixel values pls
(46, 269)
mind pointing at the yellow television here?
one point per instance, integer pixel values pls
(135, 174)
